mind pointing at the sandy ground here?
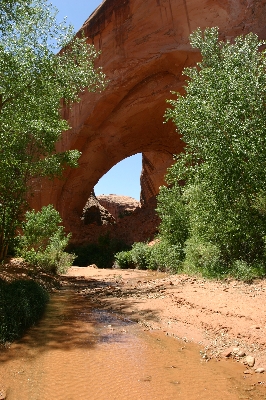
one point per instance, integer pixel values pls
(227, 318)
(86, 346)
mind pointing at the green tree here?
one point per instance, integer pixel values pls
(43, 240)
(222, 120)
(35, 83)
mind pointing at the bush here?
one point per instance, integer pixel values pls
(165, 256)
(140, 254)
(21, 305)
(203, 257)
(162, 256)
(43, 241)
(124, 259)
(246, 272)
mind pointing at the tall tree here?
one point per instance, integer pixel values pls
(34, 83)
(222, 120)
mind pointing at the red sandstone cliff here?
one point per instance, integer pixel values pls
(118, 206)
(95, 213)
(141, 225)
(144, 49)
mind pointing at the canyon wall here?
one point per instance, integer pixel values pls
(118, 206)
(144, 48)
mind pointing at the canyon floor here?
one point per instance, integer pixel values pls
(227, 318)
(224, 320)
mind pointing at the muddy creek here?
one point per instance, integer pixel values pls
(81, 351)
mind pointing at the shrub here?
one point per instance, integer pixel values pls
(140, 254)
(22, 303)
(165, 256)
(124, 259)
(43, 241)
(203, 257)
(162, 256)
(247, 272)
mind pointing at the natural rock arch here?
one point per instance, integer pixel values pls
(144, 49)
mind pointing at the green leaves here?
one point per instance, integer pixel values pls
(43, 240)
(34, 84)
(22, 303)
(221, 176)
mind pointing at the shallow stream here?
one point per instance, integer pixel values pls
(79, 352)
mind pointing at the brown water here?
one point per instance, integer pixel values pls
(79, 352)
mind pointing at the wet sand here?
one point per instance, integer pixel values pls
(220, 315)
(112, 335)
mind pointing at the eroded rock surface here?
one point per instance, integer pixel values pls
(95, 213)
(144, 49)
(118, 206)
(141, 225)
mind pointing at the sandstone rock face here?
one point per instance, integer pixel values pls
(121, 217)
(141, 225)
(154, 167)
(144, 49)
(95, 213)
(118, 206)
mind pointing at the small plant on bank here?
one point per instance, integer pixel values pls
(43, 241)
(161, 256)
(165, 256)
(22, 303)
(140, 254)
(247, 272)
(124, 259)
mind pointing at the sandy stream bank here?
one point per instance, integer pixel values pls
(220, 316)
(227, 320)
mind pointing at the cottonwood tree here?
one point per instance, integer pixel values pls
(36, 78)
(222, 120)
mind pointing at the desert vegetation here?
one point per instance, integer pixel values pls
(213, 211)
(38, 78)
(22, 302)
(43, 67)
(42, 241)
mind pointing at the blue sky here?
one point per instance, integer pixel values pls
(124, 177)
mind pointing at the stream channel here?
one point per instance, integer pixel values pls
(79, 351)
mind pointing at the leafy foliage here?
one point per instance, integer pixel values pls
(21, 305)
(161, 256)
(34, 85)
(123, 259)
(140, 255)
(43, 241)
(214, 206)
(166, 256)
